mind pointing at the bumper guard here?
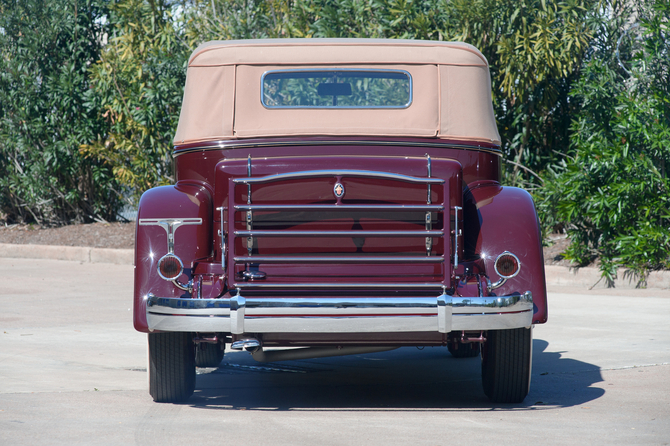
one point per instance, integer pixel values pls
(238, 314)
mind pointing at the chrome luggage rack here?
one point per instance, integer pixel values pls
(229, 233)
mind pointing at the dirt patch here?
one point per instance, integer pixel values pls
(553, 255)
(94, 235)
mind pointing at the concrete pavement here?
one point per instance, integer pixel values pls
(72, 253)
(73, 371)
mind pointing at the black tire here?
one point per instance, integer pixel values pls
(209, 355)
(506, 364)
(171, 367)
(460, 350)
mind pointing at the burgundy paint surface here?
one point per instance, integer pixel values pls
(494, 219)
(191, 241)
(499, 219)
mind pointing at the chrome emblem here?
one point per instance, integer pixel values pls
(338, 190)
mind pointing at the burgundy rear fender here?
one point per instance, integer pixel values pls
(499, 219)
(187, 209)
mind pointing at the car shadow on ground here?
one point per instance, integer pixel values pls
(402, 379)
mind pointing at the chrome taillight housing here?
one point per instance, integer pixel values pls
(507, 265)
(170, 267)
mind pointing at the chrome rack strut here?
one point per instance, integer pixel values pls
(248, 273)
(250, 240)
(250, 223)
(456, 209)
(429, 223)
(222, 234)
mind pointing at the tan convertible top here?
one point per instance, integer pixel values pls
(451, 90)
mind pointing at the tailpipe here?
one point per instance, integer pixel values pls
(313, 352)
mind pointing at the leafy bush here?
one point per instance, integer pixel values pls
(137, 88)
(613, 192)
(45, 50)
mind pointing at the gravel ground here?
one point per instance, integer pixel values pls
(122, 236)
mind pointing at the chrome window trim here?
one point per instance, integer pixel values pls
(316, 70)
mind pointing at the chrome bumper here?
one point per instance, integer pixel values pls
(239, 315)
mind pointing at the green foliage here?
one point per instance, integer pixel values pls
(45, 50)
(137, 86)
(534, 48)
(245, 19)
(613, 192)
(391, 19)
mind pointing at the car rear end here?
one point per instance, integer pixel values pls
(343, 206)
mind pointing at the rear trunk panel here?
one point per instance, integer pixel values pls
(281, 216)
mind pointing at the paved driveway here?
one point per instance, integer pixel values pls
(73, 371)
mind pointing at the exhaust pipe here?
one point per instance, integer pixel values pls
(313, 352)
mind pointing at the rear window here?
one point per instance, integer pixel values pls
(336, 88)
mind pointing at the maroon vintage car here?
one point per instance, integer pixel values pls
(341, 196)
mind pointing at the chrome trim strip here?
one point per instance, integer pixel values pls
(338, 259)
(343, 172)
(278, 233)
(239, 315)
(229, 145)
(336, 285)
(335, 69)
(341, 207)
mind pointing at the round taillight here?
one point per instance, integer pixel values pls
(170, 267)
(507, 265)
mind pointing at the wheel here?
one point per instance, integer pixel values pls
(208, 355)
(460, 350)
(506, 364)
(171, 367)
